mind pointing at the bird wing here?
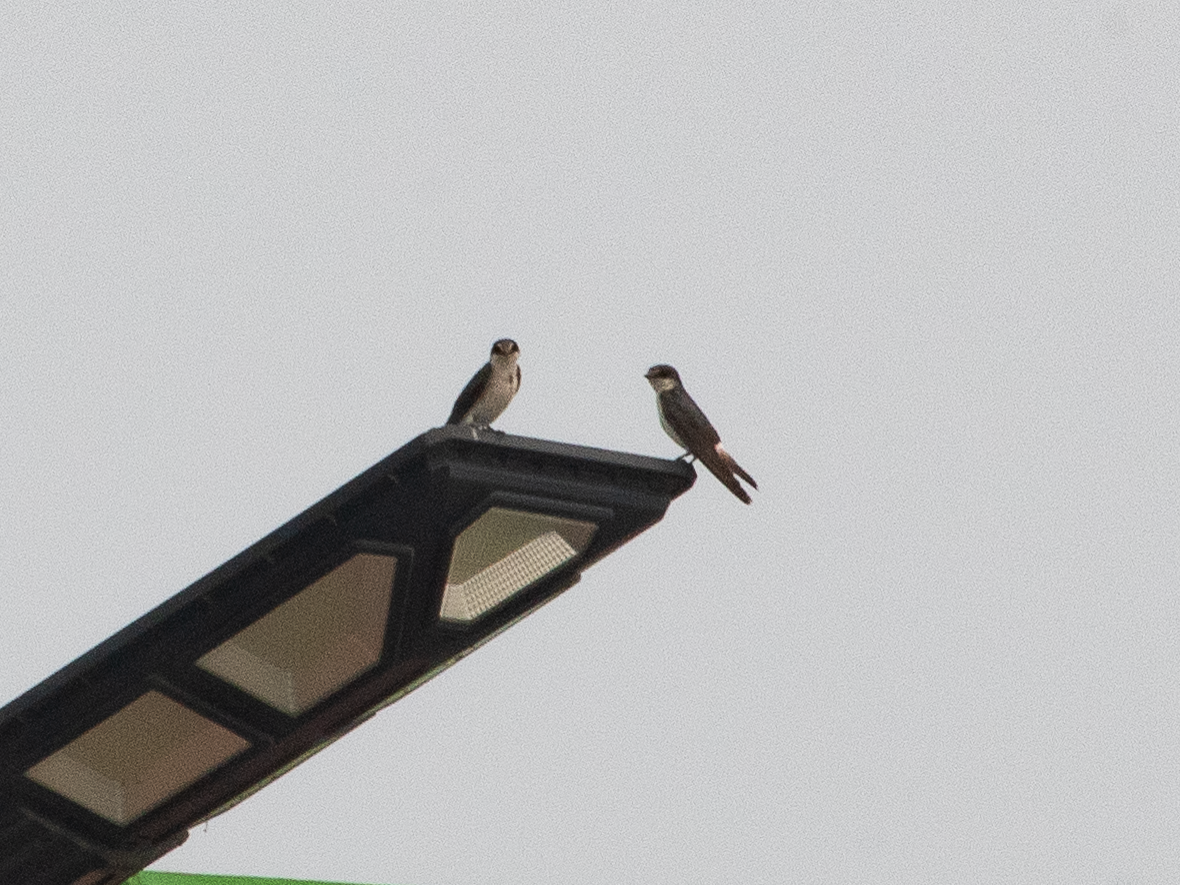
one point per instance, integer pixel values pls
(470, 394)
(702, 440)
(686, 418)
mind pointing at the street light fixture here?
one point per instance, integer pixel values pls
(386, 582)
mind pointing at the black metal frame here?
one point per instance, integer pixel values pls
(412, 505)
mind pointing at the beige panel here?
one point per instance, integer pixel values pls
(147, 752)
(314, 643)
(502, 553)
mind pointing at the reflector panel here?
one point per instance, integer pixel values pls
(131, 762)
(502, 553)
(314, 643)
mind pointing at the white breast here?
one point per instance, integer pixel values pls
(668, 427)
(502, 386)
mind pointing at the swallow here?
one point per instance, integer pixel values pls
(491, 389)
(683, 420)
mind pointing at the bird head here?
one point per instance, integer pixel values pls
(505, 351)
(662, 377)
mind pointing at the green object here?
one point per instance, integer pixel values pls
(147, 877)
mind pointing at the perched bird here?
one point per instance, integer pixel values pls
(489, 392)
(683, 420)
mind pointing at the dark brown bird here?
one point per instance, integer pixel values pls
(683, 420)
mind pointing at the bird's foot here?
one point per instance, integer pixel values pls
(477, 429)
(687, 458)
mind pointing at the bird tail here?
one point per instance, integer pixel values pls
(734, 466)
(722, 466)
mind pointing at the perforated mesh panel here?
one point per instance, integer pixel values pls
(502, 553)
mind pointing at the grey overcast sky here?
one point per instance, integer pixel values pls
(917, 261)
